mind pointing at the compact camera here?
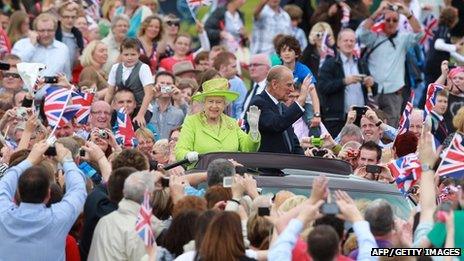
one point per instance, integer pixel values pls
(166, 89)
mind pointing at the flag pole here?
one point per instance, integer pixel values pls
(61, 116)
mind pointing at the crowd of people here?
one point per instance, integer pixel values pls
(323, 78)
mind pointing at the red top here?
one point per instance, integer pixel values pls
(300, 252)
(72, 250)
(168, 63)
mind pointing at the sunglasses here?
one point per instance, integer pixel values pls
(14, 75)
(173, 23)
(391, 20)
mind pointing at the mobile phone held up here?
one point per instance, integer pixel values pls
(360, 111)
(330, 209)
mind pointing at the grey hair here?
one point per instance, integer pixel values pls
(217, 170)
(379, 214)
(163, 146)
(136, 184)
(352, 130)
(118, 18)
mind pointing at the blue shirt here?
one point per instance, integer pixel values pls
(55, 56)
(300, 72)
(237, 85)
(33, 231)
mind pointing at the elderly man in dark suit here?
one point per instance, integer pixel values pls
(275, 123)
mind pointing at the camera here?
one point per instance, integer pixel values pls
(21, 113)
(50, 79)
(316, 142)
(319, 35)
(262, 211)
(319, 152)
(373, 169)
(82, 153)
(166, 89)
(102, 134)
(165, 182)
(394, 8)
(51, 151)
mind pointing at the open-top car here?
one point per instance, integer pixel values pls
(274, 172)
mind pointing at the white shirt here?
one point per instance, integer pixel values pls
(190, 255)
(115, 237)
(261, 87)
(145, 75)
(276, 102)
(55, 56)
(353, 93)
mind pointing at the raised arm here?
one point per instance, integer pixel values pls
(9, 182)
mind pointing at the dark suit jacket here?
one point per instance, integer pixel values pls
(272, 125)
(331, 88)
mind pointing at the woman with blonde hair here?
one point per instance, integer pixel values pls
(146, 141)
(19, 26)
(93, 58)
(108, 10)
(150, 33)
(311, 55)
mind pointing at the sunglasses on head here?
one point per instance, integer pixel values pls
(14, 75)
(173, 23)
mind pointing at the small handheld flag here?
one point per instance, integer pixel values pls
(143, 225)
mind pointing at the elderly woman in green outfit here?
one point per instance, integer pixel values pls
(211, 130)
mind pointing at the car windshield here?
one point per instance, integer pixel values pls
(402, 207)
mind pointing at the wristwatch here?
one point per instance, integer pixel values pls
(317, 115)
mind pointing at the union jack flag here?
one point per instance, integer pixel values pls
(57, 106)
(345, 16)
(143, 225)
(432, 91)
(430, 23)
(357, 49)
(5, 44)
(198, 3)
(326, 50)
(406, 171)
(379, 25)
(404, 120)
(84, 100)
(452, 164)
(123, 129)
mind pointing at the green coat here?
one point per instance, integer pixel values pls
(197, 135)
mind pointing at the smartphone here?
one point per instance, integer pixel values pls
(82, 153)
(264, 212)
(50, 79)
(51, 151)
(360, 111)
(373, 169)
(315, 131)
(165, 182)
(4, 66)
(227, 182)
(330, 209)
(240, 170)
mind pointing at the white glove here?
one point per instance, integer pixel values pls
(192, 156)
(253, 120)
(253, 117)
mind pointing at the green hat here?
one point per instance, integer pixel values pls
(216, 87)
